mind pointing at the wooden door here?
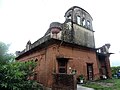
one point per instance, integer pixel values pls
(90, 71)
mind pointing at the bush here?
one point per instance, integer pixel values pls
(14, 76)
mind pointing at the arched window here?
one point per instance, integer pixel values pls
(88, 24)
(69, 16)
(78, 20)
(83, 22)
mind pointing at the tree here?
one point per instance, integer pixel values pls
(15, 75)
(115, 70)
(4, 55)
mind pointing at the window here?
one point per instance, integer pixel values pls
(83, 22)
(79, 20)
(69, 16)
(62, 65)
(88, 24)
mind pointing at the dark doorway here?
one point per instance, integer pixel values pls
(90, 71)
(62, 65)
(103, 65)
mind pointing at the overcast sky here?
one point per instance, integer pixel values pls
(23, 20)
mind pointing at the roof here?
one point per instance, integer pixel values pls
(45, 43)
(72, 8)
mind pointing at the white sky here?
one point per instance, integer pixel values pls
(23, 20)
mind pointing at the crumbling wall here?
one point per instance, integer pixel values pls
(84, 37)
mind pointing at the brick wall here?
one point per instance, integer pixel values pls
(47, 63)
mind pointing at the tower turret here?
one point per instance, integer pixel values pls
(76, 29)
(80, 23)
(79, 16)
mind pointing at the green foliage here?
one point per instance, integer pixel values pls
(81, 77)
(14, 76)
(5, 57)
(115, 70)
(109, 84)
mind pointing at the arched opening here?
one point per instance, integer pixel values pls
(69, 16)
(78, 20)
(83, 22)
(88, 24)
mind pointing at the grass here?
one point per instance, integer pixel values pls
(109, 84)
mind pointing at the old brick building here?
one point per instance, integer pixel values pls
(68, 47)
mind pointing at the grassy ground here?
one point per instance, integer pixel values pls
(110, 84)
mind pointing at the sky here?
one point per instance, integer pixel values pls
(24, 20)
